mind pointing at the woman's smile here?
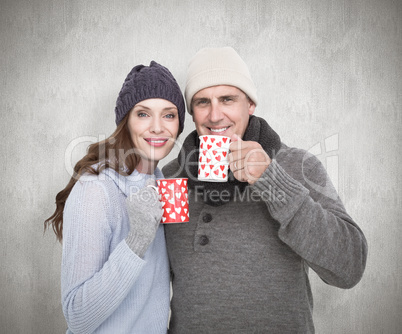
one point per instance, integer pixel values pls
(157, 141)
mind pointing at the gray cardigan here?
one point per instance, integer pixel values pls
(242, 267)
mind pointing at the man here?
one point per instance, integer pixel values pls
(241, 264)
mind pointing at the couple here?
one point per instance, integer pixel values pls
(241, 264)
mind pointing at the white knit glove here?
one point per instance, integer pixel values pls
(145, 213)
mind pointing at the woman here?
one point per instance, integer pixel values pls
(115, 271)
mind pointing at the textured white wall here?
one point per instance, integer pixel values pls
(328, 74)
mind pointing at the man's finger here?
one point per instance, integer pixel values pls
(236, 142)
(236, 165)
(239, 175)
(239, 153)
(234, 137)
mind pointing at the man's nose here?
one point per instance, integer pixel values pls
(215, 114)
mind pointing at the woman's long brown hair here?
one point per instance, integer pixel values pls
(115, 152)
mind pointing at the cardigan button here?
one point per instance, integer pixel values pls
(207, 218)
(204, 240)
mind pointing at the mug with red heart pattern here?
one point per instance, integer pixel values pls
(213, 162)
(173, 194)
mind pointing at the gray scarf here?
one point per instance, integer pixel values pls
(219, 193)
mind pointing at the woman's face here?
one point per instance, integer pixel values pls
(153, 126)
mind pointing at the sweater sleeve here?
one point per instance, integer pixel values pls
(94, 281)
(314, 223)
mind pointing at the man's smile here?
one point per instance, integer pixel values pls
(218, 130)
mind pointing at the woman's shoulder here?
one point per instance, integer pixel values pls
(104, 183)
(111, 182)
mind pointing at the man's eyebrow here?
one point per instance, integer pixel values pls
(233, 96)
(200, 98)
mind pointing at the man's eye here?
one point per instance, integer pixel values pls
(201, 102)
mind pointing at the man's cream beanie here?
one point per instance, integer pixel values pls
(218, 66)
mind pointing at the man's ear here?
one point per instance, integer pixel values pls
(251, 107)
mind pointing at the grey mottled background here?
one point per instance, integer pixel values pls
(329, 78)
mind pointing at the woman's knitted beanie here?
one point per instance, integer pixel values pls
(149, 82)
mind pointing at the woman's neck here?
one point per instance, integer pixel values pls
(146, 166)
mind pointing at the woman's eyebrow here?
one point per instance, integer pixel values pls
(145, 107)
(141, 106)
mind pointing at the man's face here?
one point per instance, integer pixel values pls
(221, 110)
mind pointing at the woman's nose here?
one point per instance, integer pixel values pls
(157, 126)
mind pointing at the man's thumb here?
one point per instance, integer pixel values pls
(234, 138)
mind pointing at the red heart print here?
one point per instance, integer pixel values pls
(214, 152)
(224, 154)
(219, 144)
(203, 166)
(223, 175)
(202, 146)
(211, 166)
(222, 167)
(209, 146)
(218, 158)
(206, 174)
(208, 160)
(224, 140)
(212, 140)
(199, 171)
(204, 152)
(216, 172)
(205, 138)
(200, 159)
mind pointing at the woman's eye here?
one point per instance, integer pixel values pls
(171, 116)
(142, 114)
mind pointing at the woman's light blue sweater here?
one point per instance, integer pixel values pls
(105, 286)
